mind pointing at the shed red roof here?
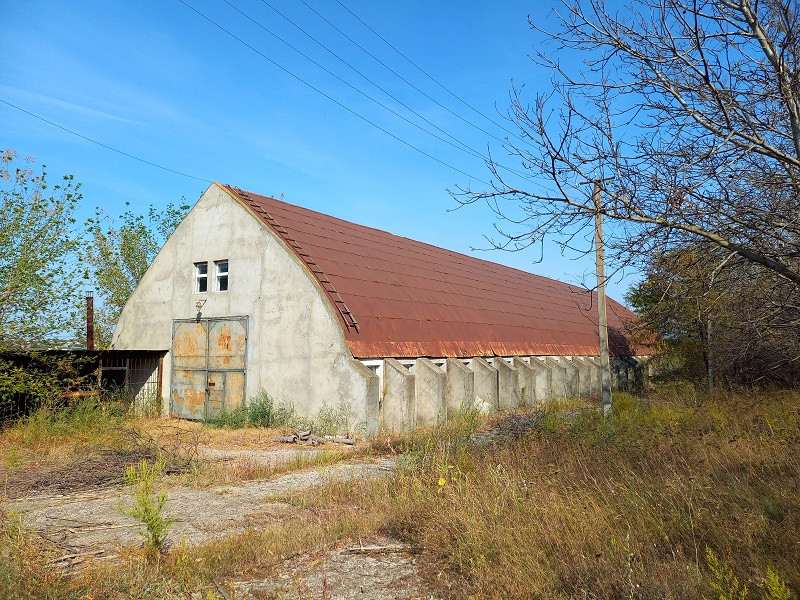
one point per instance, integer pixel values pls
(402, 298)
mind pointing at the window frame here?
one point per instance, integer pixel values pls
(199, 276)
(218, 275)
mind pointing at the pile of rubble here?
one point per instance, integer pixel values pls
(306, 438)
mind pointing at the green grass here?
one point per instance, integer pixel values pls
(263, 411)
(259, 411)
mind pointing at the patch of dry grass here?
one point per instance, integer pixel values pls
(593, 508)
(579, 507)
(242, 438)
(62, 433)
(209, 473)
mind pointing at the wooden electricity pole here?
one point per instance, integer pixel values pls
(605, 364)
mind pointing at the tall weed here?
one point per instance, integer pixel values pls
(148, 504)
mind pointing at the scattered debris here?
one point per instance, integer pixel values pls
(306, 438)
(286, 439)
(509, 427)
(337, 439)
(102, 468)
(99, 469)
(380, 549)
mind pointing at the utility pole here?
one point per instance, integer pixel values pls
(605, 364)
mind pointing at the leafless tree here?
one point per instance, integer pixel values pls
(688, 111)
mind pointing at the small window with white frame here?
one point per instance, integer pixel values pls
(201, 277)
(221, 268)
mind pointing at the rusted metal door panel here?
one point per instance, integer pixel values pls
(234, 389)
(226, 344)
(190, 344)
(215, 402)
(188, 392)
(208, 366)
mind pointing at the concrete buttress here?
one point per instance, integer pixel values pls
(558, 378)
(542, 379)
(573, 380)
(429, 387)
(372, 385)
(525, 380)
(585, 375)
(507, 385)
(459, 389)
(486, 391)
(397, 403)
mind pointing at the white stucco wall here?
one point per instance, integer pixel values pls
(296, 349)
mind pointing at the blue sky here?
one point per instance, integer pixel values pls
(156, 80)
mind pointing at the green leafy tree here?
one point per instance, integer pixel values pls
(117, 254)
(721, 318)
(679, 301)
(39, 270)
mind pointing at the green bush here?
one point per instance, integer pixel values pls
(332, 420)
(260, 411)
(36, 380)
(725, 585)
(263, 411)
(775, 588)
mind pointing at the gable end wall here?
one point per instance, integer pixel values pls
(296, 350)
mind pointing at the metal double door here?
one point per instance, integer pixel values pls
(209, 366)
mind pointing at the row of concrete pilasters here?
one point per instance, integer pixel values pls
(424, 393)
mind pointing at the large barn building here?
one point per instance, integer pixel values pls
(251, 294)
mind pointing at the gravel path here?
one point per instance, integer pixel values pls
(94, 521)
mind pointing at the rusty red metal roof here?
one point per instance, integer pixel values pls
(402, 298)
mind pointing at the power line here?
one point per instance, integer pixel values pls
(350, 85)
(102, 144)
(399, 75)
(328, 96)
(349, 65)
(423, 71)
(458, 145)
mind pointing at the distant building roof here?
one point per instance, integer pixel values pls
(402, 298)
